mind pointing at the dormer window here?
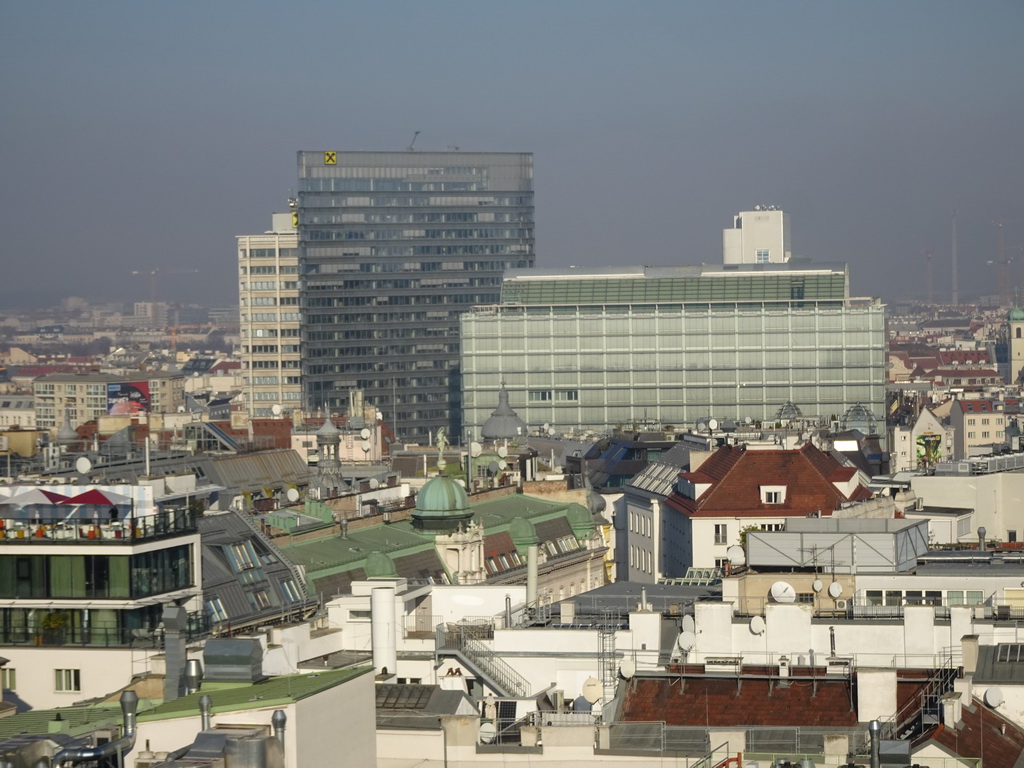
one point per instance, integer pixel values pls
(773, 494)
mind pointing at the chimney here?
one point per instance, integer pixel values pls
(981, 539)
(205, 707)
(952, 709)
(531, 577)
(969, 650)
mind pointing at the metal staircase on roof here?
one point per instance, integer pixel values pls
(925, 709)
(465, 644)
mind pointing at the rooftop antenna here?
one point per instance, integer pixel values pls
(412, 144)
(931, 278)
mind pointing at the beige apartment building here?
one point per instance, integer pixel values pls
(88, 396)
(268, 299)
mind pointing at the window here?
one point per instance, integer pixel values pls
(215, 608)
(970, 422)
(721, 532)
(762, 256)
(984, 422)
(971, 435)
(9, 679)
(567, 395)
(773, 494)
(540, 396)
(984, 434)
(67, 680)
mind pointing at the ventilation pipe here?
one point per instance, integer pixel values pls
(205, 707)
(278, 720)
(121, 746)
(382, 630)
(508, 611)
(193, 675)
(982, 547)
(875, 732)
(832, 641)
(531, 577)
(643, 599)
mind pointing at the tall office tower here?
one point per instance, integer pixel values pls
(394, 247)
(268, 299)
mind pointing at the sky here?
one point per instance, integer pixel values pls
(146, 135)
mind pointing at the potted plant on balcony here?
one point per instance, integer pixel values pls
(54, 625)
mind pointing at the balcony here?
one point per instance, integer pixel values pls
(68, 530)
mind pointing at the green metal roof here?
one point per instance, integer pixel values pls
(738, 286)
(333, 554)
(276, 691)
(77, 720)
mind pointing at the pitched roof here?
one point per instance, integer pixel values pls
(736, 475)
(981, 733)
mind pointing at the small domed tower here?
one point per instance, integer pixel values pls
(329, 480)
(1016, 322)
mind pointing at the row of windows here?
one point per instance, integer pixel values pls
(273, 317)
(270, 253)
(640, 559)
(271, 301)
(271, 269)
(985, 435)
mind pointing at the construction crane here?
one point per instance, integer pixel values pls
(931, 277)
(154, 273)
(1003, 261)
(412, 144)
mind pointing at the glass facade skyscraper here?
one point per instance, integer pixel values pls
(394, 247)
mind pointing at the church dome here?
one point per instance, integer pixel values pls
(441, 504)
(1016, 315)
(328, 431)
(522, 532)
(504, 423)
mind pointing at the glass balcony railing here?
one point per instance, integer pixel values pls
(68, 530)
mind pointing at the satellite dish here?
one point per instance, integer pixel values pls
(475, 449)
(546, 426)
(365, 447)
(805, 436)
(503, 452)
(712, 424)
(994, 697)
(783, 592)
(276, 409)
(493, 466)
(374, 483)
(378, 416)
(627, 668)
(747, 420)
(757, 625)
(292, 495)
(551, 431)
(736, 555)
(83, 465)
(835, 589)
(818, 585)
(592, 690)
(364, 433)
(488, 731)
(686, 641)
(689, 625)
(502, 464)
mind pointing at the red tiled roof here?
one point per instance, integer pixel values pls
(737, 474)
(975, 406)
(721, 701)
(980, 733)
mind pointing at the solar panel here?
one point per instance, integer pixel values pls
(403, 696)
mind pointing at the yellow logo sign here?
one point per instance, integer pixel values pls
(295, 219)
(330, 158)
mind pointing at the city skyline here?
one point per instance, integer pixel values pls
(177, 127)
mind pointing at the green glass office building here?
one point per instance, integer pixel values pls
(596, 349)
(394, 247)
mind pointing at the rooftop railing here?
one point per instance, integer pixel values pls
(94, 530)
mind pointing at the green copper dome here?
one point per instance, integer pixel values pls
(441, 504)
(380, 565)
(522, 532)
(1016, 315)
(580, 520)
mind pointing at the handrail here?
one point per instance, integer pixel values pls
(465, 639)
(938, 684)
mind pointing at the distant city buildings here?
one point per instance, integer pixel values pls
(268, 297)
(394, 248)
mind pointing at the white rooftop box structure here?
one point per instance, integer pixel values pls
(841, 545)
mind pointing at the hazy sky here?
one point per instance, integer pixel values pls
(136, 135)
